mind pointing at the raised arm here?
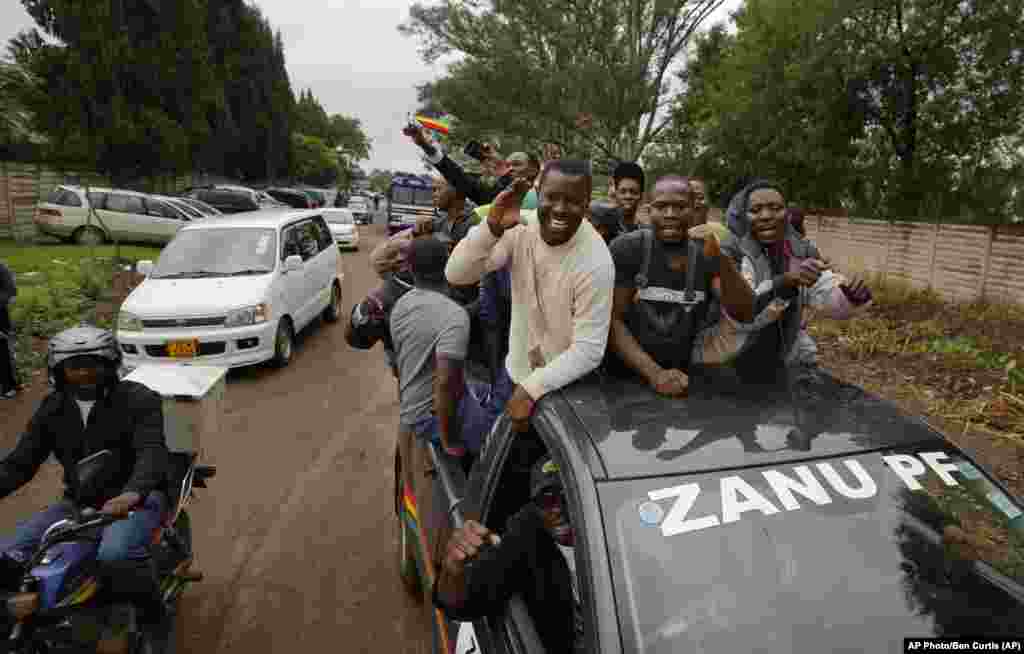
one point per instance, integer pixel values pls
(489, 245)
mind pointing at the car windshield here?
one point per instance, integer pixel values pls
(218, 253)
(420, 197)
(855, 553)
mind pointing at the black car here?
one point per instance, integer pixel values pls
(227, 199)
(292, 197)
(806, 516)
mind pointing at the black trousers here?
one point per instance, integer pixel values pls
(8, 370)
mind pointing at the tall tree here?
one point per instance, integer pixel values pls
(591, 76)
(901, 108)
(126, 85)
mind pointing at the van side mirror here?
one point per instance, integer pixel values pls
(144, 267)
(293, 263)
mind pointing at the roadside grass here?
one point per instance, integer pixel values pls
(964, 361)
(58, 286)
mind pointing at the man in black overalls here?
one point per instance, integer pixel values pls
(663, 285)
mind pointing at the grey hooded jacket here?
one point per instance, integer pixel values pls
(751, 256)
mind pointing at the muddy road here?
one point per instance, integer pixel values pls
(296, 534)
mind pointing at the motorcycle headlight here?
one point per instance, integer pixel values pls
(248, 316)
(128, 322)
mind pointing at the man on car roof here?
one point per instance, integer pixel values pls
(654, 321)
(562, 278)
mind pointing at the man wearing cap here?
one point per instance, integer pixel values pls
(534, 558)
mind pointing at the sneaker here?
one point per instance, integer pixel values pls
(7, 395)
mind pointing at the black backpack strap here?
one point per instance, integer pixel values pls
(641, 278)
(692, 257)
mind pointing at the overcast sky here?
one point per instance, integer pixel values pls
(352, 57)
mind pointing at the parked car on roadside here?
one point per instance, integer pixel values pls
(200, 206)
(318, 197)
(343, 227)
(804, 517)
(188, 209)
(233, 291)
(117, 214)
(292, 197)
(361, 208)
(228, 198)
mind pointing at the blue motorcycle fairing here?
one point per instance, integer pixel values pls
(67, 560)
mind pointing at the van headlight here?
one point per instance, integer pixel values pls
(128, 322)
(248, 316)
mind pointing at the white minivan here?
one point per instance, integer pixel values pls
(233, 292)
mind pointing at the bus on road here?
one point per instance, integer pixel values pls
(409, 198)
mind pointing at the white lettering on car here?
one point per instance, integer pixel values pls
(675, 522)
(808, 486)
(733, 506)
(738, 496)
(867, 489)
(907, 468)
(941, 469)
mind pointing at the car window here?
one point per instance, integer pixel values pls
(309, 245)
(125, 203)
(796, 557)
(64, 197)
(161, 209)
(324, 237)
(290, 243)
(208, 195)
(98, 200)
(187, 209)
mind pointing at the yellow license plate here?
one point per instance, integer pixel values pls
(183, 349)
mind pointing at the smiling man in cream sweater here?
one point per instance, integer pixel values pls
(563, 279)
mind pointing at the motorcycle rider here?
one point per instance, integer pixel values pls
(91, 410)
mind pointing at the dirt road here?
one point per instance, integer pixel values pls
(296, 534)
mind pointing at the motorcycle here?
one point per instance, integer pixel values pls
(61, 606)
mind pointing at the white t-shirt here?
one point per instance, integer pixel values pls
(85, 406)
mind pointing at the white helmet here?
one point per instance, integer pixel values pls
(83, 340)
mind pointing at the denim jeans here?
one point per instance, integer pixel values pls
(126, 540)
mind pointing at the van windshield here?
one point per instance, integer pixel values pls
(218, 253)
(421, 197)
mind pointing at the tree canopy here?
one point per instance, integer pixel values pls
(904, 108)
(137, 88)
(591, 76)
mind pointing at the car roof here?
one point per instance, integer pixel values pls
(725, 424)
(261, 218)
(101, 189)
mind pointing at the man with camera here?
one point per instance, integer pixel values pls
(519, 164)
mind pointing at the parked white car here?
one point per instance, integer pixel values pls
(127, 216)
(361, 209)
(233, 291)
(343, 227)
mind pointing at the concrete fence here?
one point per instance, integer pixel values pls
(960, 262)
(23, 185)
